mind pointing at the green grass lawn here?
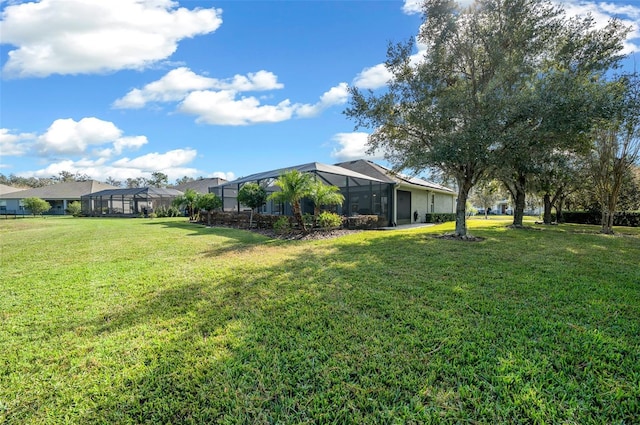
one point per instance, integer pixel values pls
(160, 321)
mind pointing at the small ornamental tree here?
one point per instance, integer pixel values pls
(36, 205)
(252, 195)
(208, 202)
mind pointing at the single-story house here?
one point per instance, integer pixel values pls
(414, 197)
(129, 202)
(58, 195)
(367, 188)
(201, 185)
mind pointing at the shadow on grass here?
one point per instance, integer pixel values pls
(380, 327)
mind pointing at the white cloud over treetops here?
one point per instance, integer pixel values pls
(88, 36)
(99, 170)
(97, 143)
(352, 146)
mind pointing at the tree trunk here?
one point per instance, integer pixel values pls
(297, 214)
(606, 222)
(559, 205)
(464, 187)
(519, 199)
(251, 219)
(546, 218)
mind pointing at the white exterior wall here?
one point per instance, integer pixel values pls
(444, 203)
(419, 202)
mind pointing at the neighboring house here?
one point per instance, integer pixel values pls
(8, 189)
(201, 186)
(367, 188)
(129, 202)
(57, 195)
(414, 197)
(501, 207)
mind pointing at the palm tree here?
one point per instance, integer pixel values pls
(294, 186)
(322, 194)
(188, 201)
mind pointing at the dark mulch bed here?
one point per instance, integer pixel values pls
(301, 236)
(454, 237)
(315, 234)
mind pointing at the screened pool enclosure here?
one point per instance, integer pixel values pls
(363, 195)
(128, 202)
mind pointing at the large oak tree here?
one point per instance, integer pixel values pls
(481, 86)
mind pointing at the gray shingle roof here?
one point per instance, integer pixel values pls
(8, 189)
(151, 192)
(385, 174)
(304, 168)
(200, 186)
(62, 191)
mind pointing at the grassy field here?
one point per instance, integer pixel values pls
(160, 321)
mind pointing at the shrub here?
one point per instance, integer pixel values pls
(171, 211)
(36, 205)
(440, 217)
(622, 218)
(282, 225)
(308, 220)
(329, 220)
(365, 222)
(74, 208)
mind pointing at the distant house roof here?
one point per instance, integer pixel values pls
(385, 174)
(150, 192)
(61, 191)
(8, 189)
(316, 167)
(200, 186)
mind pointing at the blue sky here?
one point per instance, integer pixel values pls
(122, 88)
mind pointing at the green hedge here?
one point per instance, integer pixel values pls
(623, 218)
(365, 222)
(440, 217)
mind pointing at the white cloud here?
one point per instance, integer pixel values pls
(99, 170)
(229, 175)
(88, 36)
(15, 144)
(122, 143)
(178, 83)
(373, 77)
(353, 146)
(412, 7)
(71, 137)
(158, 161)
(337, 95)
(223, 108)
